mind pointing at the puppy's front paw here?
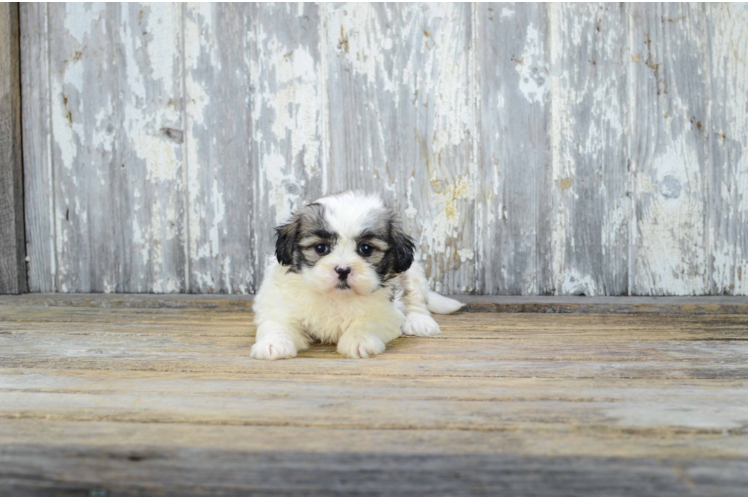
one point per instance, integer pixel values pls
(360, 345)
(274, 347)
(420, 325)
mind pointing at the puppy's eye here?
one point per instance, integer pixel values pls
(365, 249)
(321, 249)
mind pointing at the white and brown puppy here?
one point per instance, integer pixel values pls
(344, 274)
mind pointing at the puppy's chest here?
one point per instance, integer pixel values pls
(328, 320)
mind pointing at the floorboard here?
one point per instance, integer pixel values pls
(129, 395)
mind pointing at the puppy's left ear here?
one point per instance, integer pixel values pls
(286, 241)
(403, 246)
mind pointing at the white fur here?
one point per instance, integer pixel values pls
(294, 309)
(443, 305)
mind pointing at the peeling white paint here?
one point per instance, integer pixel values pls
(102, 137)
(533, 73)
(415, 57)
(670, 250)
(445, 223)
(466, 254)
(160, 156)
(669, 232)
(575, 283)
(670, 227)
(198, 21)
(219, 211)
(615, 225)
(729, 156)
(507, 12)
(278, 196)
(64, 137)
(79, 18)
(291, 97)
(454, 112)
(150, 95)
(358, 32)
(587, 140)
(163, 29)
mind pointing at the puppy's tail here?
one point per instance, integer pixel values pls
(442, 305)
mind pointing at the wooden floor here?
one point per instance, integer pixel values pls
(125, 396)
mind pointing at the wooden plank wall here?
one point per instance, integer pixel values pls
(567, 149)
(12, 233)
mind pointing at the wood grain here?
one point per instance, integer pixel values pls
(728, 177)
(116, 147)
(116, 214)
(402, 122)
(255, 148)
(168, 401)
(220, 168)
(530, 149)
(37, 153)
(149, 470)
(289, 113)
(474, 303)
(513, 202)
(668, 148)
(12, 231)
(590, 176)
(149, 187)
(85, 169)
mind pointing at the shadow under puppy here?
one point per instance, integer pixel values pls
(345, 274)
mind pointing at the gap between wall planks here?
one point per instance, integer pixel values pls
(562, 149)
(12, 233)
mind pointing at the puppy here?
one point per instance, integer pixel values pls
(344, 275)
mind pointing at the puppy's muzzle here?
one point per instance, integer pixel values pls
(343, 272)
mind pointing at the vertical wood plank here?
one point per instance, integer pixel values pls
(590, 177)
(12, 233)
(219, 53)
(288, 107)
(255, 140)
(116, 129)
(84, 97)
(402, 122)
(163, 142)
(37, 165)
(728, 180)
(149, 180)
(669, 123)
(514, 198)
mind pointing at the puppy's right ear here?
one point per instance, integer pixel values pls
(404, 247)
(285, 242)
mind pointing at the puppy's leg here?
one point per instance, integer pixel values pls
(418, 320)
(278, 341)
(366, 338)
(360, 344)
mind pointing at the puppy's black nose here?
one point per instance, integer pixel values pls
(343, 272)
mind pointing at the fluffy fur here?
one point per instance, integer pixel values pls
(343, 273)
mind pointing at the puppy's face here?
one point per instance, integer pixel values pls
(345, 244)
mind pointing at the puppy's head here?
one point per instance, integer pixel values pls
(348, 243)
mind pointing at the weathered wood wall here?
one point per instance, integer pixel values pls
(12, 233)
(532, 148)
